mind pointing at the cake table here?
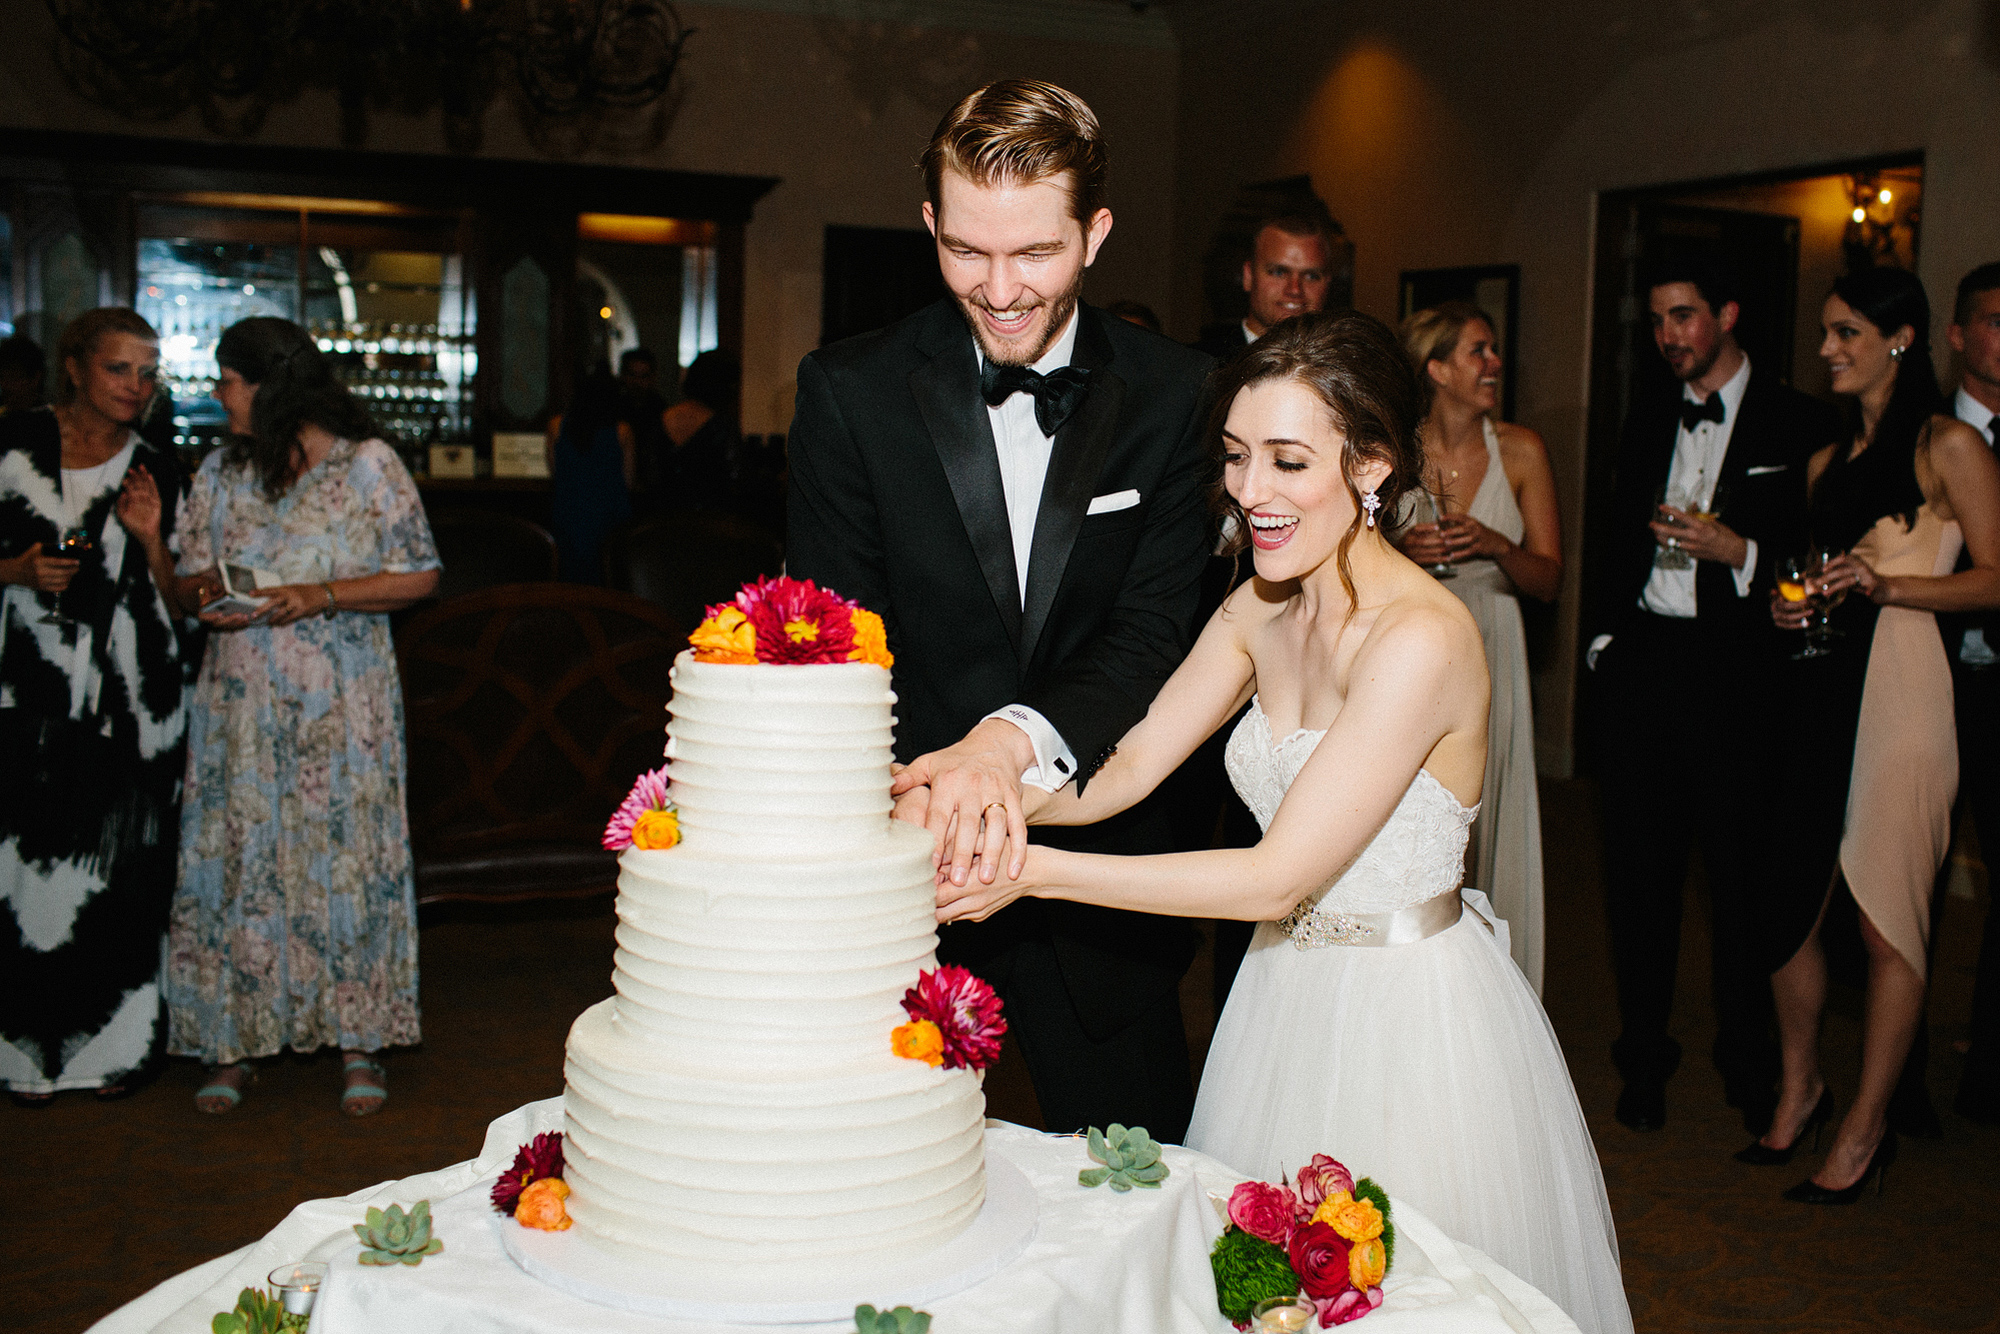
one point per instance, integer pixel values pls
(1100, 1262)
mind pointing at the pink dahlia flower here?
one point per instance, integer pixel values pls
(648, 794)
(966, 1011)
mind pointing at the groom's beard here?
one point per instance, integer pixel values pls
(1017, 354)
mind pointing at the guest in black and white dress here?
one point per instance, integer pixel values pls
(91, 724)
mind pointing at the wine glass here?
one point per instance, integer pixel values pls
(1829, 598)
(1425, 509)
(74, 544)
(1795, 576)
(1670, 556)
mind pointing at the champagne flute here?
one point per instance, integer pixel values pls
(1829, 598)
(1795, 586)
(1426, 510)
(74, 544)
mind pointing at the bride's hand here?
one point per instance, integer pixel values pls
(975, 901)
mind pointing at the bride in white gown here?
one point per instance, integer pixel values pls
(1375, 1018)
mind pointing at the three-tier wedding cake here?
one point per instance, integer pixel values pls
(737, 1106)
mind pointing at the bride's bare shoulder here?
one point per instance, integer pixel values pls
(1426, 625)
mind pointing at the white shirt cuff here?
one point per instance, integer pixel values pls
(1054, 764)
(1748, 574)
(1596, 647)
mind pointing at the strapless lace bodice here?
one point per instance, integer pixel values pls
(1417, 855)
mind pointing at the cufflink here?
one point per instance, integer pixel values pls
(1062, 765)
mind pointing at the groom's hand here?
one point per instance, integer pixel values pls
(969, 783)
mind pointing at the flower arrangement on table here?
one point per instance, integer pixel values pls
(954, 1021)
(1325, 1234)
(790, 621)
(533, 1189)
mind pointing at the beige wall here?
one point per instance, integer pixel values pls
(838, 107)
(1461, 133)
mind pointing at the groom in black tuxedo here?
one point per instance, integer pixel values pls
(1679, 659)
(1022, 501)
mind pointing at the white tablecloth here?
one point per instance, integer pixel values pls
(1101, 1263)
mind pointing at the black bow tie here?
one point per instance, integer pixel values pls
(1708, 410)
(1057, 394)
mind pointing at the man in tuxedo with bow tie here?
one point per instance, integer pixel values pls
(1710, 496)
(1023, 502)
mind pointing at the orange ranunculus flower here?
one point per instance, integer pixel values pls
(656, 830)
(919, 1041)
(541, 1205)
(871, 640)
(726, 636)
(1367, 1261)
(1354, 1220)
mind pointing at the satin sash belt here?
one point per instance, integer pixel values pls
(1310, 926)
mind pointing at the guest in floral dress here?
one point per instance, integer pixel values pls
(295, 923)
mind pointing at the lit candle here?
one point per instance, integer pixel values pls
(1282, 1315)
(298, 1284)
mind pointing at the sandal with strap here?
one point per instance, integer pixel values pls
(364, 1099)
(219, 1089)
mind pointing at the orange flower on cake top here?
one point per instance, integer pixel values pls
(726, 636)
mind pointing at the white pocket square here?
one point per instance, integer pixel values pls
(1767, 468)
(1111, 504)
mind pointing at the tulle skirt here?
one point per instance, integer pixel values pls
(1432, 1069)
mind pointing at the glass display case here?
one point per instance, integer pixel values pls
(398, 323)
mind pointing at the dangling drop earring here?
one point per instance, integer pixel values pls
(1371, 502)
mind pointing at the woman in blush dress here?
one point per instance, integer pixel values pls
(1496, 535)
(1870, 759)
(1376, 1016)
(295, 923)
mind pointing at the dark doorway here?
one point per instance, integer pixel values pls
(1787, 233)
(874, 276)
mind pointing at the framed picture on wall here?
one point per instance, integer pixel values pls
(1494, 288)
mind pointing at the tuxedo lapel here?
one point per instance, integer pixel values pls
(1075, 462)
(947, 393)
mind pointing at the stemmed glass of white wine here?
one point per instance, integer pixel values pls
(1425, 509)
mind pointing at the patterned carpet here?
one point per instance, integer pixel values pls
(108, 1199)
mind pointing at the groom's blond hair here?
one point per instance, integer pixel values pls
(1017, 132)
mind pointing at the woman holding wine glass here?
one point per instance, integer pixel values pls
(1485, 521)
(90, 720)
(1870, 759)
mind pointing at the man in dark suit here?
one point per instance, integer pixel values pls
(1288, 273)
(1023, 503)
(1974, 644)
(1681, 647)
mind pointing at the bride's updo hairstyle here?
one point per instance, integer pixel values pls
(1356, 366)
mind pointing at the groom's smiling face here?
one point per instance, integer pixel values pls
(1013, 255)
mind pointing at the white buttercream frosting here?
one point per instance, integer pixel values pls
(736, 1103)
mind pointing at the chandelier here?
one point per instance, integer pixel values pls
(233, 60)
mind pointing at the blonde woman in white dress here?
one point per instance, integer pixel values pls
(1377, 1017)
(1498, 535)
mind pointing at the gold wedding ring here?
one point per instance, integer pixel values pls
(989, 806)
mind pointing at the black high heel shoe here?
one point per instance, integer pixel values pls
(1878, 1167)
(1760, 1154)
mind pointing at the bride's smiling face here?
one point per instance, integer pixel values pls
(1282, 463)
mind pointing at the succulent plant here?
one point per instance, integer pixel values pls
(257, 1313)
(394, 1237)
(1130, 1158)
(902, 1320)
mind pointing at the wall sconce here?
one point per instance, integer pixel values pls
(1869, 239)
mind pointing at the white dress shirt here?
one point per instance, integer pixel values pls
(1696, 468)
(1973, 649)
(1024, 452)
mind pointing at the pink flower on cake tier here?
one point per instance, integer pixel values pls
(797, 622)
(1320, 1178)
(648, 795)
(1265, 1211)
(966, 1011)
